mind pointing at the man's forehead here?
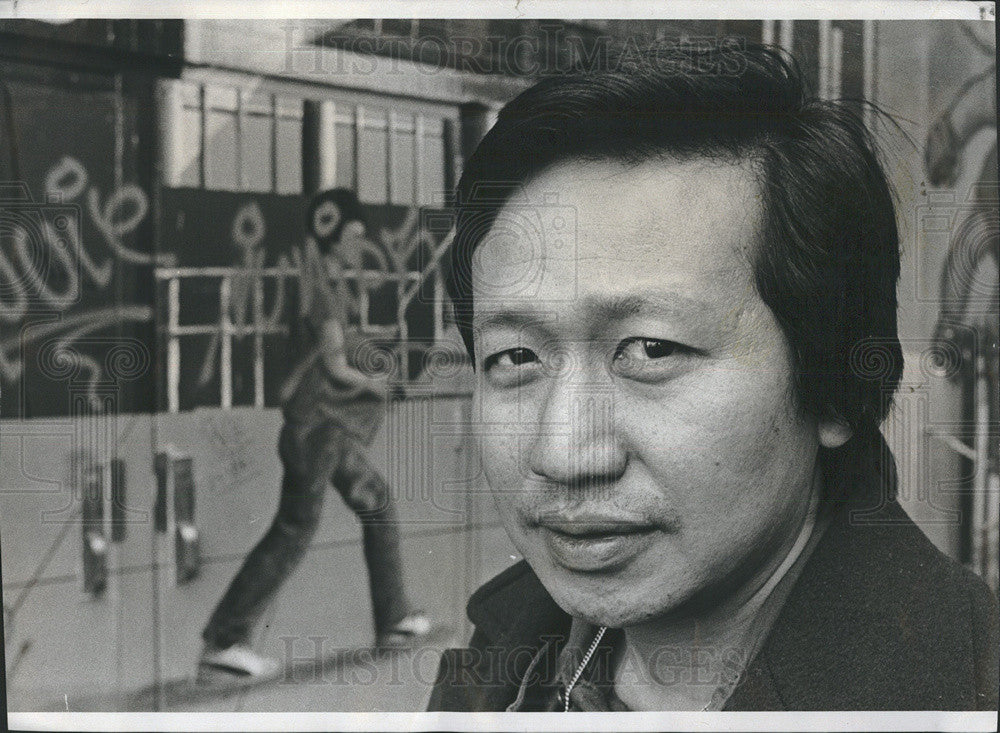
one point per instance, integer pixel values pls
(608, 283)
(649, 222)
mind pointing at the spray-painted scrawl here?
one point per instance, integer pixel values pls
(45, 267)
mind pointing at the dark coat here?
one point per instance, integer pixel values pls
(878, 620)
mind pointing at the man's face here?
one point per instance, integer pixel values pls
(640, 430)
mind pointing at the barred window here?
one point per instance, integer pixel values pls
(223, 138)
(232, 209)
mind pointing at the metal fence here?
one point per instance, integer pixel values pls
(242, 314)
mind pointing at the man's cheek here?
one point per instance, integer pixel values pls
(733, 440)
(502, 460)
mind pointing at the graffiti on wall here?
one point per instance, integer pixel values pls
(246, 304)
(969, 288)
(381, 261)
(47, 265)
(63, 259)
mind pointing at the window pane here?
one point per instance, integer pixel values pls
(402, 166)
(220, 153)
(372, 158)
(289, 152)
(190, 162)
(432, 167)
(256, 145)
(345, 153)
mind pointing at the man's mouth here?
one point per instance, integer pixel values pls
(583, 529)
(593, 542)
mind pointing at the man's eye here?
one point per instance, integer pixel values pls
(643, 348)
(510, 358)
(648, 360)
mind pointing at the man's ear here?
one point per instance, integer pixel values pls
(833, 432)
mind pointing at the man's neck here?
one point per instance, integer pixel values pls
(678, 663)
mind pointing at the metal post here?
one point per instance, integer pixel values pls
(980, 481)
(767, 32)
(438, 305)
(824, 53)
(419, 195)
(226, 346)
(836, 62)
(319, 146)
(785, 35)
(173, 345)
(258, 340)
(868, 37)
(390, 155)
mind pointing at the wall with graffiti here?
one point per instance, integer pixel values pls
(76, 246)
(960, 158)
(124, 292)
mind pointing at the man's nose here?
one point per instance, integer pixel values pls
(575, 441)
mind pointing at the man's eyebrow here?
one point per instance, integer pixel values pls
(504, 318)
(620, 307)
(602, 309)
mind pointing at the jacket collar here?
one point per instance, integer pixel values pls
(515, 610)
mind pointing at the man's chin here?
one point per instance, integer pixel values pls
(610, 613)
(603, 602)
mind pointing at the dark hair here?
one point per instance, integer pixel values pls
(350, 210)
(828, 258)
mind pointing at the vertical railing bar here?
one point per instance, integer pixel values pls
(226, 347)
(362, 301)
(418, 157)
(330, 149)
(273, 98)
(173, 345)
(438, 306)
(359, 118)
(403, 332)
(258, 340)
(415, 164)
(981, 466)
(390, 123)
(203, 136)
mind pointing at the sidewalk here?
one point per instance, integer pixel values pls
(329, 665)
